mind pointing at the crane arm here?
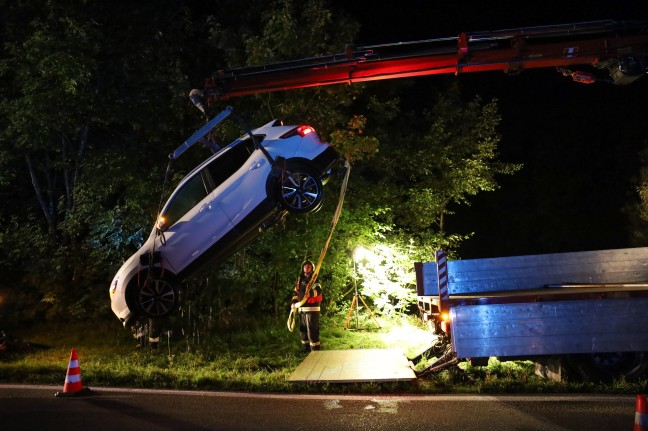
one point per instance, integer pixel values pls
(619, 48)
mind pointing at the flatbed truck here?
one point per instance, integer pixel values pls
(586, 312)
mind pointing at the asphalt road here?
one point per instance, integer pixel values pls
(37, 408)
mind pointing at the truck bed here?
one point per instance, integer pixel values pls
(562, 303)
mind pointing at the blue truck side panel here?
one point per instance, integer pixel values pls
(548, 304)
(476, 276)
(550, 328)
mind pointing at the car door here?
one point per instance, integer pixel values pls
(245, 190)
(195, 223)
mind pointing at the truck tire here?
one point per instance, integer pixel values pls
(608, 367)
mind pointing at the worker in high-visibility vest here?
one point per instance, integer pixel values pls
(307, 304)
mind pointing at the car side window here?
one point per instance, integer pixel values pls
(191, 193)
(223, 167)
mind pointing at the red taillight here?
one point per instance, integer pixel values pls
(300, 130)
(304, 130)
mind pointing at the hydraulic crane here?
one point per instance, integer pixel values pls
(612, 51)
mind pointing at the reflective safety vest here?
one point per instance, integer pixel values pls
(314, 300)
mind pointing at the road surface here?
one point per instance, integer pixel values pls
(37, 407)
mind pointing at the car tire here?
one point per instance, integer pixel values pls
(154, 294)
(300, 189)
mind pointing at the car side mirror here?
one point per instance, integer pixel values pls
(161, 223)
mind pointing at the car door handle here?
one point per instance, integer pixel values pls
(207, 207)
(257, 164)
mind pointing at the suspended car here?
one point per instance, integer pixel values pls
(220, 206)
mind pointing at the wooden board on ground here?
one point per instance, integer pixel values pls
(350, 366)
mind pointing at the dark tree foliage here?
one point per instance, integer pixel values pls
(89, 108)
(94, 98)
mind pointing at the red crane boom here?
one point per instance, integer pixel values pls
(616, 50)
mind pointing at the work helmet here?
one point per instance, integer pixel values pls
(306, 262)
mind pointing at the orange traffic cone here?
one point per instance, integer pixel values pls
(641, 414)
(73, 385)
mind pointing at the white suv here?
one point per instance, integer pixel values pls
(218, 207)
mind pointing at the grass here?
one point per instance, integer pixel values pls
(255, 356)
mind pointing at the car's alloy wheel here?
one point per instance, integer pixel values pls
(301, 190)
(157, 298)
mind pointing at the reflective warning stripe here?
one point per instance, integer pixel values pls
(74, 378)
(305, 309)
(74, 363)
(442, 273)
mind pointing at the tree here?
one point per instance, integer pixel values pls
(430, 171)
(88, 97)
(262, 276)
(95, 96)
(637, 207)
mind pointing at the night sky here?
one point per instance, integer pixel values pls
(579, 143)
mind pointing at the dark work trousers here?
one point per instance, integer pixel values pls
(309, 329)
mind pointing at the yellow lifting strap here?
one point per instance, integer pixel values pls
(336, 217)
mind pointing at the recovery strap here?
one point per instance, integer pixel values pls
(336, 217)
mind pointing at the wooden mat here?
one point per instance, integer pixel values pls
(346, 366)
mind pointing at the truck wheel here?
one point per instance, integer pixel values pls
(608, 367)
